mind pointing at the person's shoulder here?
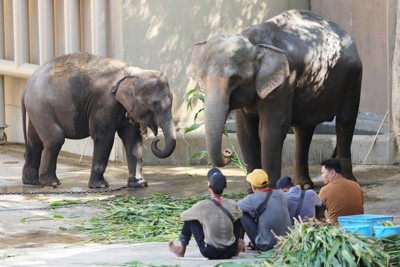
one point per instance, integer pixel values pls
(278, 192)
(204, 202)
(228, 200)
(346, 181)
(310, 192)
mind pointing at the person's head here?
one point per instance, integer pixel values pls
(330, 170)
(284, 183)
(258, 179)
(216, 181)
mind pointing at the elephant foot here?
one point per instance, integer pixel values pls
(30, 181)
(98, 183)
(30, 176)
(49, 181)
(137, 183)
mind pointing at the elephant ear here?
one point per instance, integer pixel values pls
(125, 92)
(197, 62)
(273, 69)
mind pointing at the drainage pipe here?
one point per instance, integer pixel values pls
(3, 136)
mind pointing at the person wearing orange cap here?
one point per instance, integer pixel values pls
(214, 223)
(265, 212)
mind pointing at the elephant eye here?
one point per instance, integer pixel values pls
(234, 80)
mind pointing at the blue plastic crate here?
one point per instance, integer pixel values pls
(383, 231)
(369, 219)
(361, 228)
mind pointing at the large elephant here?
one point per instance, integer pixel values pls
(296, 69)
(79, 95)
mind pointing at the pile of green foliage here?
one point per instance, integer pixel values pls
(315, 243)
(321, 244)
(391, 245)
(131, 219)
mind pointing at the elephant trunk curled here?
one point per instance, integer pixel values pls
(215, 115)
(169, 138)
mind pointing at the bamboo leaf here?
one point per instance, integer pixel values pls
(192, 128)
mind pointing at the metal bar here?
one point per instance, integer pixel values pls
(376, 136)
(8, 68)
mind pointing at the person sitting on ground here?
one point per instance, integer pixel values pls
(265, 212)
(303, 203)
(215, 223)
(341, 196)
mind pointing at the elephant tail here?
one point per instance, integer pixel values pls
(23, 116)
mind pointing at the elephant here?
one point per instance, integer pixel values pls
(294, 70)
(79, 95)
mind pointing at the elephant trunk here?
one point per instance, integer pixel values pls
(169, 138)
(215, 114)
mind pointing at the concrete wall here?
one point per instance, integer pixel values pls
(161, 34)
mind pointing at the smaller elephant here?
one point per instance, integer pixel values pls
(79, 95)
(295, 70)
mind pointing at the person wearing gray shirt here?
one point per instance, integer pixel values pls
(261, 228)
(301, 203)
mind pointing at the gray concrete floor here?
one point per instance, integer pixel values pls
(29, 238)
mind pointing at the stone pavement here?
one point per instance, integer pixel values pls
(30, 237)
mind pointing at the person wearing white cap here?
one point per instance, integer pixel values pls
(265, 213)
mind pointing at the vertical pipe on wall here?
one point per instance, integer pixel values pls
(46, 30)
(2, 93)
(21, 36)
(115, 40)
(98, 26)
(389, 11)
(71, 24)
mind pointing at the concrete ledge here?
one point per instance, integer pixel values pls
(383, 151)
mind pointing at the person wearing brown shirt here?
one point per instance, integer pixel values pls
(340, 196)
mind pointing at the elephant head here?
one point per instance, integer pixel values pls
(233, 72)
(148, 100)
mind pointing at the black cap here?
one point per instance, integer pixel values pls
(284, 182)
(216, 179)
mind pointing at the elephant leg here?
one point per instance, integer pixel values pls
(48, 165)
(132, 140)
(101, 153)
(344, 136)
(271, 156)
(249, 141)
(346, 121)
(303, 137)
(33, 153)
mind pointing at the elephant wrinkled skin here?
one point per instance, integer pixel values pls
(295, 70)
(79, 95)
